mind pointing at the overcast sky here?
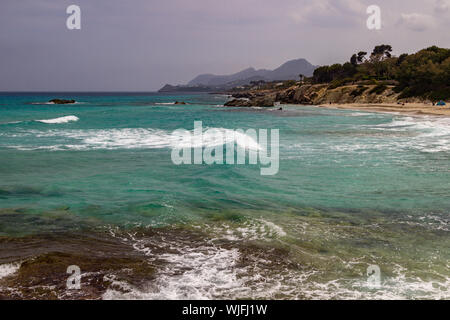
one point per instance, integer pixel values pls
(139, 45)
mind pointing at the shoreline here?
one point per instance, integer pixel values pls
(415, 109)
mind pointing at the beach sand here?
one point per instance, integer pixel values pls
(408, 108)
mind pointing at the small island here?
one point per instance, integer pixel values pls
(62, 101)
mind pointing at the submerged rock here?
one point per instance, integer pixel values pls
(62, 101)
(41, 270)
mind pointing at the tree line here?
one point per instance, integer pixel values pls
(423, 74)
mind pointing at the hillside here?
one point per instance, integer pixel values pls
(381, 78)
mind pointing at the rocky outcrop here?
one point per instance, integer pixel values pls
(320, 94)
(267, 101)
(305, 94)
(62, 101)
(264, 101)
(238, 103)
(243, 95)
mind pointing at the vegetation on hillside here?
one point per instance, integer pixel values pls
(424, 74)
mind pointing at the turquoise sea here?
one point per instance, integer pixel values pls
(92, 184)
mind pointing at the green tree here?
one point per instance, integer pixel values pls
(361, 56)
(381, 52)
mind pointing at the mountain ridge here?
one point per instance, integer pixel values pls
(290, 70)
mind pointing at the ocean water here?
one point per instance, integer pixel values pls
(93, 184)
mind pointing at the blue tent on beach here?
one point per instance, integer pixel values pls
(441, 103)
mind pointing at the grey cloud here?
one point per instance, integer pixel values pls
(417, 22)
(140, 45)
(330, 13)
(442, 6)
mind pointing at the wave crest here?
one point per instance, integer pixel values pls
(137, 138)
(64, 119)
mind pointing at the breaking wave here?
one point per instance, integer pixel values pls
(138, 138)
(65, 119)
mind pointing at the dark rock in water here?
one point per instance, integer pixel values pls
(177, 102)
(42, 272)
(238, 103)
(62, 101)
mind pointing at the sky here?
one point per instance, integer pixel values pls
(140, 45)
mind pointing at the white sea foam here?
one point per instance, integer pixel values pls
(432, 134)
(205, 270)
(399, 286)
(400, 134)
(424, 134)
(196, 273)
(193, 270)
(65, 119)
(360, 114)
(426, 126)
(41, 103)
(8, 269)
(429, 221)
(251, 230)
(215, 273)
(12, 122)
(275, 228)
(200, 271)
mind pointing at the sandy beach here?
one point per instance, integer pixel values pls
(409, 108)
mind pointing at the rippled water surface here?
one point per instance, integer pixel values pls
(94, 181)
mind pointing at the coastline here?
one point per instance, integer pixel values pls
(408, 108)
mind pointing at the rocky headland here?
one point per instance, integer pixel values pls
(369, 96)
(319, 94)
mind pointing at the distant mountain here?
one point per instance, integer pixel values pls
(288, 71)
(214, 80)
(169, 88)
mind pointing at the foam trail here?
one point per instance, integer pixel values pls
(12, 122)
(65, 119)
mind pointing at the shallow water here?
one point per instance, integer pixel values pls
(354, 189)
